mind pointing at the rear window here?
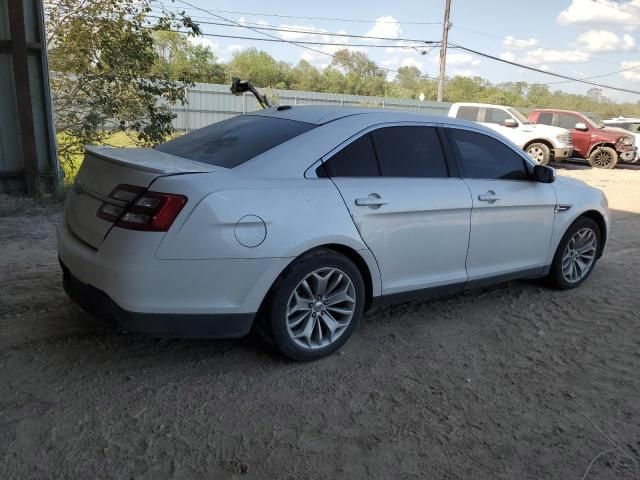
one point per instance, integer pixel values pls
(234, 141)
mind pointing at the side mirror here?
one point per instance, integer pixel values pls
(511, 123)
(581, 126)
(544, 174)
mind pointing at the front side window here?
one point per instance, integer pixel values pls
(234, 141)
(495, 115)
(357, 159)
(411, 151)
(484, 157)
(568, 121)
(468, 113)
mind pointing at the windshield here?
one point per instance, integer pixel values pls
(594, 120)
(521, 118)
(232, 142)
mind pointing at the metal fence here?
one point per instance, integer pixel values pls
(209, 103)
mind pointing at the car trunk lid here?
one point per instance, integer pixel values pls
(102, 170)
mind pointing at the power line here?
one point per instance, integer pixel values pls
(545, 72)
(577, 54)
(330, 19)
(300, 43)
(619, 8)
(255, 30)
(317, 32)
(597, 76)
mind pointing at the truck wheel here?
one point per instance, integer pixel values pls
(539, 152)
(603, 157)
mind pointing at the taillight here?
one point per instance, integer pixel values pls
(137, 209)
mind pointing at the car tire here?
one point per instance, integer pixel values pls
(540, 153)
(561, 274)
(282, 311)
(603, 157)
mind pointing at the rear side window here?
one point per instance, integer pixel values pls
(410, 151)
(234, 141)
(545, 118)
(484, 157)
(358, 159)
(468, 113)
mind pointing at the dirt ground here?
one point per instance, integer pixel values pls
(512, 382)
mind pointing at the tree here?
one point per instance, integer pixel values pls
(363, 77)
(179, 59)
(260, 68)
(102, 58)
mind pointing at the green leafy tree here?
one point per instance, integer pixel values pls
(102, 58)
(260, 68)
(179, 59)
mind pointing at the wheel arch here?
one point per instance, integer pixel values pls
(597, 217)
(599, 145)
(347, 251)
(539, 140)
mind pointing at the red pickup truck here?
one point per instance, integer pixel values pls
(601, 146)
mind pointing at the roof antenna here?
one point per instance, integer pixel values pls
(238, 87)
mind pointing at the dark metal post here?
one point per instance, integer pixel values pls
(19, 54)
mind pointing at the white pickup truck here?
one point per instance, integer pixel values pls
(543, 143)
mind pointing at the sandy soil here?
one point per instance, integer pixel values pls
(514, 382)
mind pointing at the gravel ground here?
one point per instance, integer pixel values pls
(514, 382)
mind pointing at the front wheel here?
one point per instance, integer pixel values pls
(540, 153)
(576, 255)
(316, 305)
(603, 157)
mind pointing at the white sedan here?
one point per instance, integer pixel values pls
(295, 220)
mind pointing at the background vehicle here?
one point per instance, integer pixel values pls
(630, 125)
(542, 143)
(601, 146)
(302, 217)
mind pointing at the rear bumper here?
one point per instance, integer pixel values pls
(559, 153)
(99, 304)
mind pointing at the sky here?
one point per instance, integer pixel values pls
(580, 38)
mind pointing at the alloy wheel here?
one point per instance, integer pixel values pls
(320, 308)
(579, 255)
(537, 154)
(602, 159)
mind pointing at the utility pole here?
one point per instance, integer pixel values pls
(443, 49)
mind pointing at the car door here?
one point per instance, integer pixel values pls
(512, 216)
(581, 139)
(411, 214)
(495, 119)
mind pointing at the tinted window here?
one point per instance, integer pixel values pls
(468, 113)
(495, 115)
(409, 152)
(568, 121)
(357, 159)
(546, 118)
(485, 157)
(234, 141)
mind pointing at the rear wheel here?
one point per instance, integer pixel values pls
(576, 255)
(540, 153)
(603, 157)
(316, 305)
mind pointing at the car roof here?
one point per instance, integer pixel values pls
(472, 104)
(623, 119)
(559, 110)
(322, 114)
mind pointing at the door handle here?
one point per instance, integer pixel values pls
(374, 200)
(490, 197)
